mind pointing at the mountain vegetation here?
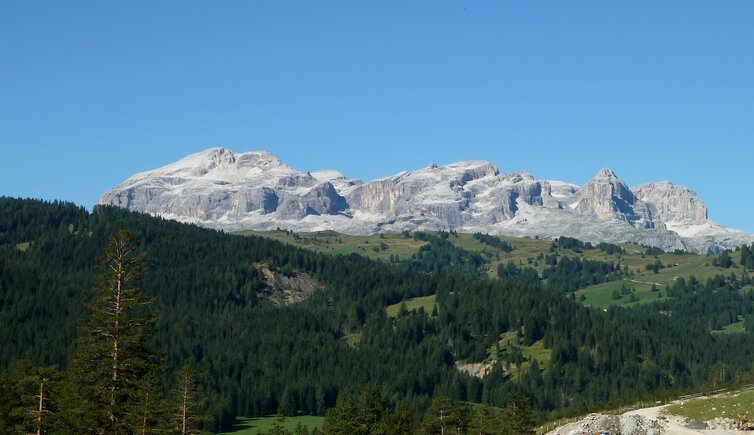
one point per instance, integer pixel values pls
(202, 302)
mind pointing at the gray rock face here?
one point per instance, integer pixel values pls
(247, 201)
(608, 198)
(437, 196)
(673, 203)
(223, 189)
(221, 185)
(320, 199)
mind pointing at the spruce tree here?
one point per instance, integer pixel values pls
(111, 374)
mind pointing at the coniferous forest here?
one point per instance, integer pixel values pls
(201, 319)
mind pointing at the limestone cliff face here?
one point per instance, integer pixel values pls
(673, 203)
(608, 198)
(219, 184)
(320, 199)
(438, 194)
(254, 190)
(262, 199)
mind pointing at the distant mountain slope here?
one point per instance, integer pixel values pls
(220, 188)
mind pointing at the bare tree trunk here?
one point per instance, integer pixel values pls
(116, 337)
(144, 421)
(184, 417)
(41, 406)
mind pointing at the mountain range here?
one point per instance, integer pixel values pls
(223, 189)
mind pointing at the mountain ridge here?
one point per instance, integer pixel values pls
(221, 188)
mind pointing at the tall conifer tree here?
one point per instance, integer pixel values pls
(108, 378)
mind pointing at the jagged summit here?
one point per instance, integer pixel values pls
(608, 198)
(255, 190)
(605, 173)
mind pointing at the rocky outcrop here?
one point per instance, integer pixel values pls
(287, 288)
(673, 203)
(223, 189)
(607, 197)
(320, 199)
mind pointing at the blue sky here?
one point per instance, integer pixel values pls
(92, 92)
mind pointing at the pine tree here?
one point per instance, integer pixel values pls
(109, 380)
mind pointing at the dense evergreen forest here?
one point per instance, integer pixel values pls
(256, 357)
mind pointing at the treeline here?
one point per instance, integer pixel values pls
(495, 242)
(440, 253)
(565, 275)
(366, 413)
(571, 274)
(747, 256)
(715, 303)
(578, 246)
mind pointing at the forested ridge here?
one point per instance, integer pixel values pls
(256, 357)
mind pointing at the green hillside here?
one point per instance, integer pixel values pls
(218, 311)
(529, 252)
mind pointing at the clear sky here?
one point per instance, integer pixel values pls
(94, 91)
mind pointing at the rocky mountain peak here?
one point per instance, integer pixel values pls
(608, 198)
(606, 173)
(254, 190)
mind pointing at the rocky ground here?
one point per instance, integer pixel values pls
(613, 424)
(646, 421)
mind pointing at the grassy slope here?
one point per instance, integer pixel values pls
(413, 304)
(722, 406)
(684, 266)
(526, 253)
(249, 426)
(335, 243)
(536, 351)
(733, 328)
